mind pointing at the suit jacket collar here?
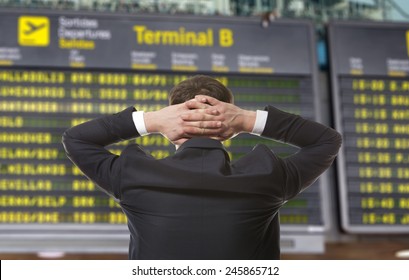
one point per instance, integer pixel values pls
(205, 143)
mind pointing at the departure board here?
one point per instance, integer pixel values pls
(370, 65)
(48, 84)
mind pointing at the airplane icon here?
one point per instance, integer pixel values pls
(33, 31)
(33, 27)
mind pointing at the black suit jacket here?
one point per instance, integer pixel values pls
(197, 204)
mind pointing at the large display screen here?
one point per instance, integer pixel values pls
(88, 66)
(370, 65)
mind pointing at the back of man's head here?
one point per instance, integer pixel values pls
(199, 84)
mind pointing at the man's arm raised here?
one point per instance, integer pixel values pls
(85, 143)
(318, 144)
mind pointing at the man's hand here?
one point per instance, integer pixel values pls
(234, 120)
(170, 123)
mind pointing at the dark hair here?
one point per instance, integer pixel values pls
(199, 84)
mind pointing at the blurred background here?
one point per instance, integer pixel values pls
(340, 62)
(320, 11)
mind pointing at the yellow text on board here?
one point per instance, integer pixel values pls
(33, 31)
(182, 37)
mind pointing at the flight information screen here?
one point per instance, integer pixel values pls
(40, 185)
(59, 70)
(371, 101)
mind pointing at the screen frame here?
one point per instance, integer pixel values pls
(120, 232)
(338, 118)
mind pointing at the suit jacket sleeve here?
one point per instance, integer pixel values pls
(85, 147)
(318, 145)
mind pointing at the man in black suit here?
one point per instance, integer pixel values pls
(197, 204)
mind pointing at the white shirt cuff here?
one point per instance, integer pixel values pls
(139, 123)
(260, 123)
